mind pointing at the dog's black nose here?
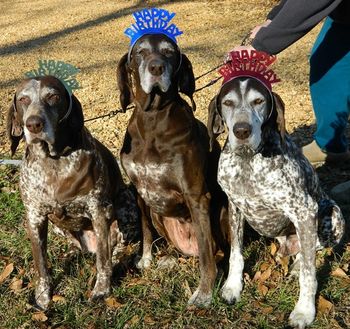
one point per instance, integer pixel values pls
(242, 130)
(35, 124)
(156, 67)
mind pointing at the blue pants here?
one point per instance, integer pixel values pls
(330, 85)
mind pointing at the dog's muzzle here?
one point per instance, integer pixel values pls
(242, 130)
(156, 67)
(35, 124)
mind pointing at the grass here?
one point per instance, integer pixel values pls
(154, 298)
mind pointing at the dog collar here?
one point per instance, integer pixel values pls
(68, 111)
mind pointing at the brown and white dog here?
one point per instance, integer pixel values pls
(166, 156)
(69, 178)
(272, 186)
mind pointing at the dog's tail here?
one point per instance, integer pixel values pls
(331, 223)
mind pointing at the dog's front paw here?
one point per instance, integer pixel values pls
(302, 315)
(200, 299)
(102, 288)
(231, 293)
(144, 262)
(43, 294)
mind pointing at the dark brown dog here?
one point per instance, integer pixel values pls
(69, 177)
(166, 155)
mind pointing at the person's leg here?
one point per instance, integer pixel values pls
(330, 91)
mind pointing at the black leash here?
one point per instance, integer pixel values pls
(206, 73)
(110, 114)
(210, 83)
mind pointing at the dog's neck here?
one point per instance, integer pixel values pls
(67, 140)
(271, 144)
(156, 100)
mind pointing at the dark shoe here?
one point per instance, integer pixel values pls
(341, 193)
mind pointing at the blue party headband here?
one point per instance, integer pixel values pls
(152, 21)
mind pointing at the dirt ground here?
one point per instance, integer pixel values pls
(89, 35)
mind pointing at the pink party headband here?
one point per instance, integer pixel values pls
(254, 64)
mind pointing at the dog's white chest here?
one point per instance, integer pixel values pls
(149, 177)
(259, 190)
(151, 180)
(41, 178)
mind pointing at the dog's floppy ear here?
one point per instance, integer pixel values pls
(215, 125)
(124, 82)
(187, 84)
(279, 106)
(14, 126)
(76, 118)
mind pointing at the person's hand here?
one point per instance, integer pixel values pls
(246, 42)
(257, 28)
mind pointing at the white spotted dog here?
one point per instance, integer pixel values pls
(270, 184)
(69, 178)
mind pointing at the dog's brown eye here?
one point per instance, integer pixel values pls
(24, 100)
(229, 103)
(53, 98)
(142, 52)
(258, 101)
(167, 52)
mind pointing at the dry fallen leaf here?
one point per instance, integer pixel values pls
(267, 309)
(39, 316)
(265, 275)
(134, 320)
(263, 289)
(284, 262)
(6, 272)
(264, 266)
(273, 249)
(111, 302)
(21, 272)
(324, 306)
(58, 298)
(16, 285)
(246, 278)
(340, 273)
(257, 276)
(149, 320)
